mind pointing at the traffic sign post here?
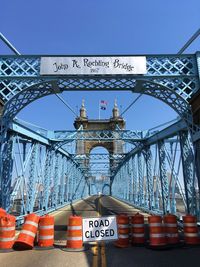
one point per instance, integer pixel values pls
(100, 229)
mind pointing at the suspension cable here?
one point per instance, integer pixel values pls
(188, 43)
(67, 105)
(134, 101)
(163, 124)
(3, 38)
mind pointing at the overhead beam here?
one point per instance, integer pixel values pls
(166, 133)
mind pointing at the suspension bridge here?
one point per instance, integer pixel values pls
(158, 174)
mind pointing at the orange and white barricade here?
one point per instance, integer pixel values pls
(27, 235)
(2, 212)
(191, 235)
(7, 231)
(171, 229)
(74, 233)
(46, 231)
(137, 229)
(156, 232)
(123, 231)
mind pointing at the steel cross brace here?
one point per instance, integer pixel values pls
(31, 184)
(149, 178)
(62, 178)
(134, 173)
(140, 180)
(188, 162)
(130, 179)
(57, 172)
(47, 178)
(7, 166)
(163, 176)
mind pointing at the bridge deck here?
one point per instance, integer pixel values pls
(114, 257)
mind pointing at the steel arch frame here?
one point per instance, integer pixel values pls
(26, 96)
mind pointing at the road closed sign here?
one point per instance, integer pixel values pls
(100, 229)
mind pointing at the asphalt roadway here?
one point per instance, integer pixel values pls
(98, 254)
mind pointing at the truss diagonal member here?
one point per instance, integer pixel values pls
(7, 166)
(163, 176)
(148, 159)
(56, 179)
(47, 178)
(140, 180)
(62, 181)
(188, 172)
(32, 180)
(130, 179)
(135, 181)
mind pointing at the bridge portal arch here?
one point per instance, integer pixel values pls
(170, 78)
(31, 93)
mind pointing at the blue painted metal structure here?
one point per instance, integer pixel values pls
(148, 176)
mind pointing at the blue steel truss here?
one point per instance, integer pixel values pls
(44, 176)
(170, 78)
(162, 181)
(38, 177)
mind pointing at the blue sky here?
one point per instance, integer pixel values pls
(94, 27)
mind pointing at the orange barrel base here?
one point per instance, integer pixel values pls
(27, 235)
(156, 232)
(137, 229)
(123, 231)
(74, 233)
(171, 229)
(191, 234)
(46, 231)
(7, 231)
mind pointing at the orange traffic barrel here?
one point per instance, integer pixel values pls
(171, 229)
(123, 231)
(46, 231)
(156, 231)
(137, 229)
(2, 212)
(7, 231)
(74, 233)
(27, 235)
(191, 235)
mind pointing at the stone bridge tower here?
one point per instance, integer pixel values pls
(115, 122)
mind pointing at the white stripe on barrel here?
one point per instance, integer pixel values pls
(74, 228)
(7, 239)
(31, 223)
(7, 228)
(123, 236)
(46, 237)
(27, 233)
(74, 238)
(46, 227)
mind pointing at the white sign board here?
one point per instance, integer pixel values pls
(100, 228)
(93, 65)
